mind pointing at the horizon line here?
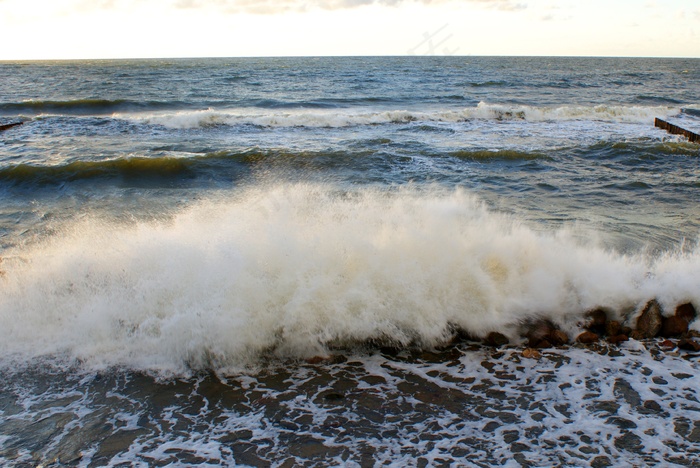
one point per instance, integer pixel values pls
(204, 57)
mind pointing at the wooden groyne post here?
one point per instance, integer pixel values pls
(676, 130)
(8, 126)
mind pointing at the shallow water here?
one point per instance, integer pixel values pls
(460, 406)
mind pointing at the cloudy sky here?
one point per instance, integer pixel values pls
(62, 29)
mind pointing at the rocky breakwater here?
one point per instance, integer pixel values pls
(646, 322)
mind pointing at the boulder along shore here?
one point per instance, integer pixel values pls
(599, 325)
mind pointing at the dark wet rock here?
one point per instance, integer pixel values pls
(622, 423)
(542, 344)
(317, 359)
(682, 375)
(659, 380)
(694, 436)
(558, 338)
(613, 328)
(537, 331)
(649, 321)
(605, 406)
(689, 344)
(667, 345)
(686, 311)
(674, 326)
(677, 325)
(682, 427)
(588, 450)
(544, 334)
(622, 389)
(531, 353)
(307, 448)
(616, 339)
(496, 339)
(491, 426)
(595, 321)
(588, 337)
(629, 441)
(517, 448)
(563, 409)
(333, 396)
(390, 351)
(601, 462)
(651, 407)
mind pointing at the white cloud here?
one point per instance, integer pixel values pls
(280, 6)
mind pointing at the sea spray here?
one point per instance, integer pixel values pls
(288, 270)
(303, 116)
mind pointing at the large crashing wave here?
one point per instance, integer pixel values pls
(291, 270)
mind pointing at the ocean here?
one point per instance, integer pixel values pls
(291, 261)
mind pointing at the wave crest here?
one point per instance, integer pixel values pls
(348, 117)
(293, 269)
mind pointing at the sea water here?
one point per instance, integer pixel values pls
(266, 261)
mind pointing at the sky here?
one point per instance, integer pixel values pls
(88, 29)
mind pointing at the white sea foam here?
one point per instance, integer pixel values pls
(290, 269)
(352, 117)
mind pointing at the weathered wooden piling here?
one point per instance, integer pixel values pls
(8, 126)
(676, 130)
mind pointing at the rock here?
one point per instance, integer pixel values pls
(531, 353)
(667, 345)
(558, 338)
(496, 339)
(317, 359)
(649, 321)
(673, 326)
(689, 344)
(595, 320)
(613, 328)
(587, 337)
(537, 331)
(543, 344)
(616, 339)
(544, 334)
(686, 311)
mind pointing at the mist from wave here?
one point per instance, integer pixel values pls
(295, 270)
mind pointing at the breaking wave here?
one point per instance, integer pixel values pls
(294, 270)
(354, 117)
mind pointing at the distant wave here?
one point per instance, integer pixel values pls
(291, 270)
(142, 168)
(659, 99)
(691, 111)
(485, 155)
(84, 106)
(90, 106)
(366, 116)
(488, 84)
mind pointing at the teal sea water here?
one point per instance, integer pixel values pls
(181, 240)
